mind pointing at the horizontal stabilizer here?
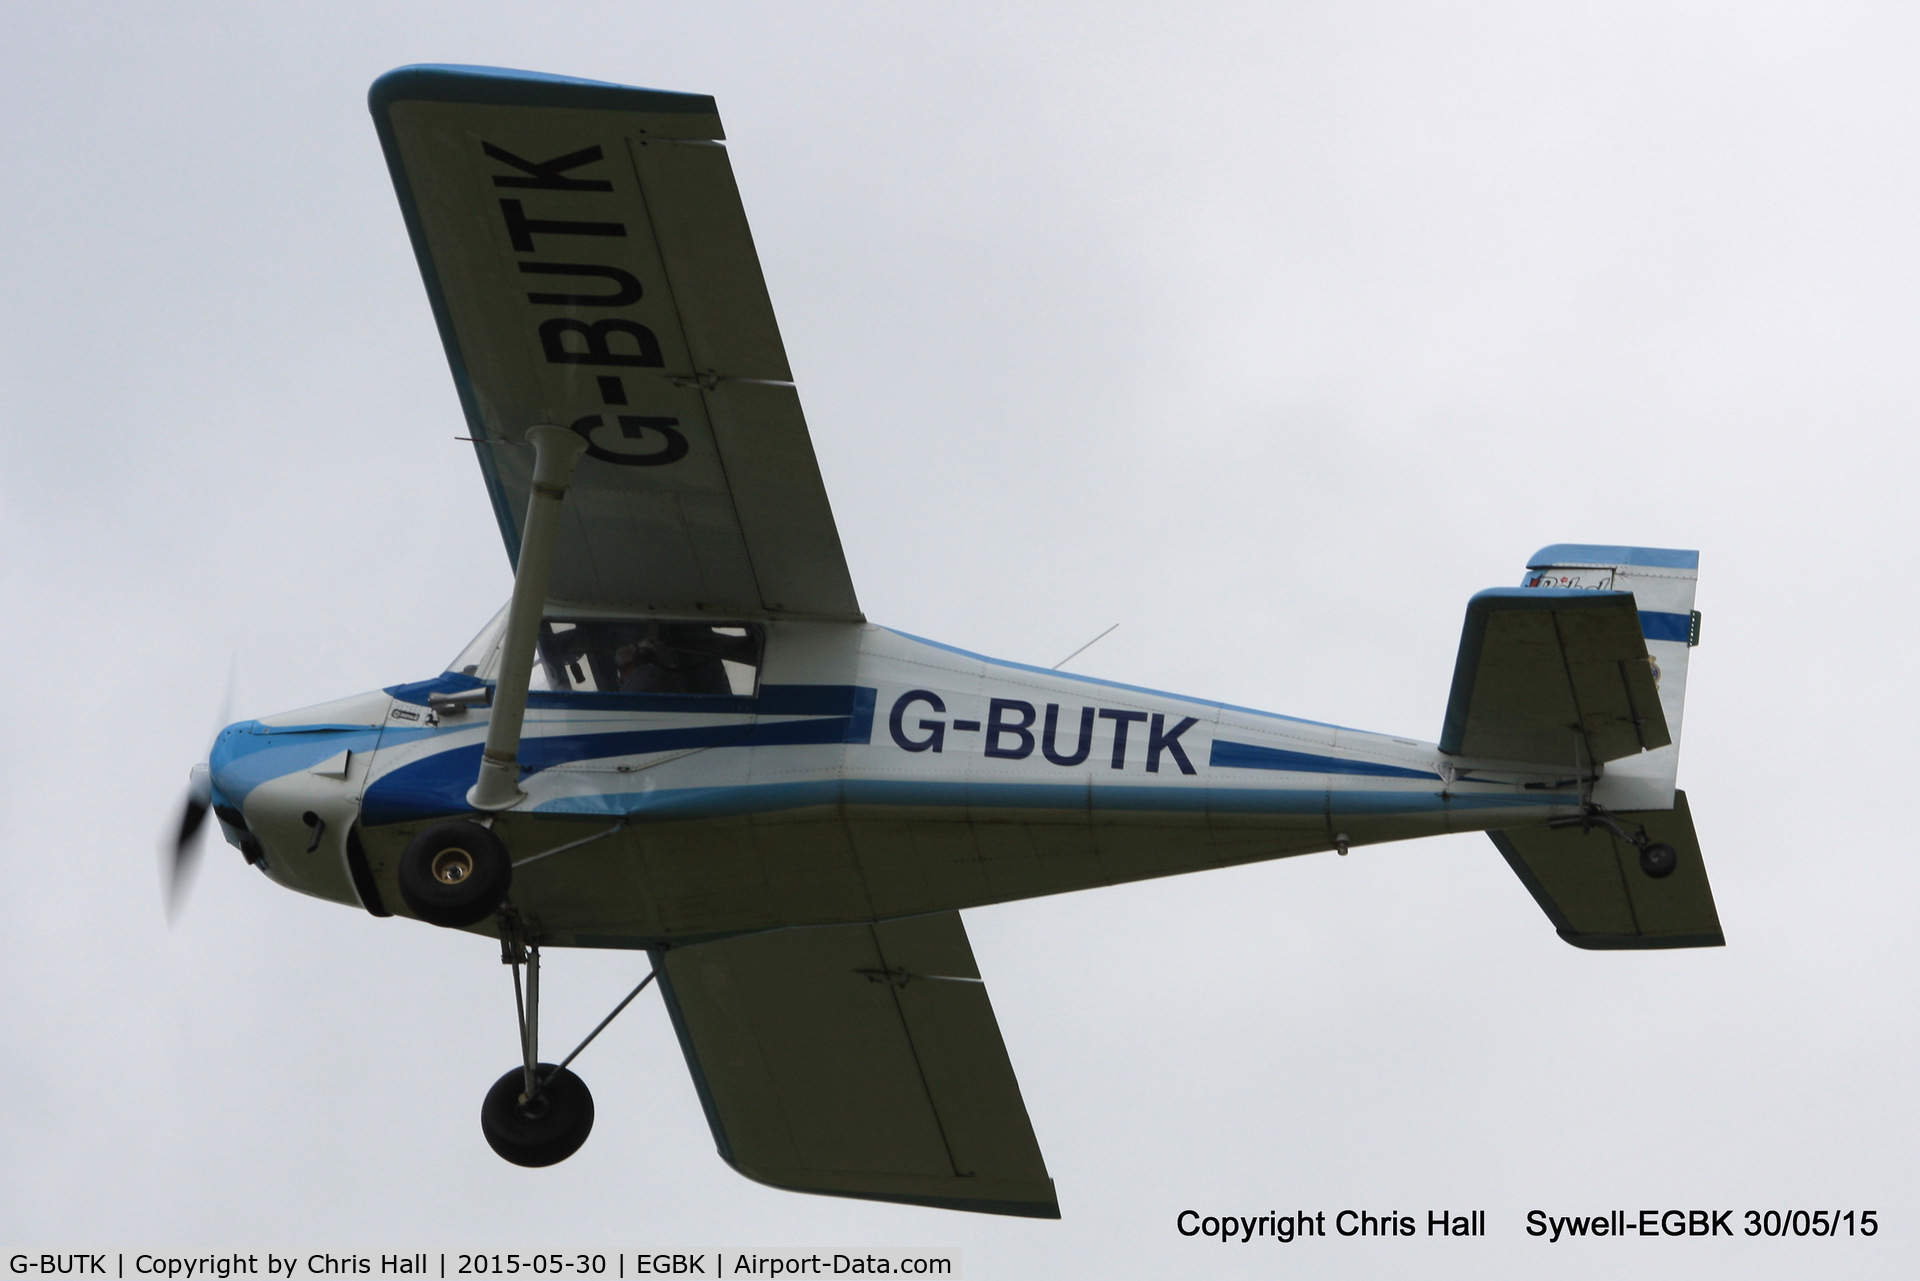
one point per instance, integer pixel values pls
(1592, 888)
(858, 1061)
(1553, 677)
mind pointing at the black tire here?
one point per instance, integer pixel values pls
(548, 1132)
(1658, 860)
(455, 874)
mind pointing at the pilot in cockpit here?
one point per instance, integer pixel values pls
(679, 658)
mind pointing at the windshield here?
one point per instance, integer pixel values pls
(481, 657)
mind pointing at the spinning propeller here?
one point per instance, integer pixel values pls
(186, 846)
(180, 855)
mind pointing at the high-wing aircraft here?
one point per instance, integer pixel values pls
(681, 736)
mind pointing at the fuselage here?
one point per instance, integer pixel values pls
(863, 774)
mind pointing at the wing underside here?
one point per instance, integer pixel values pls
(859, 1061)
(590, 266)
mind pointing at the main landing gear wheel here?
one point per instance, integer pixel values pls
(538, 1114)
(1658, 860)
(544, 1131)
(455, 873)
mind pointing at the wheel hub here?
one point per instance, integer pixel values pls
(451, 866)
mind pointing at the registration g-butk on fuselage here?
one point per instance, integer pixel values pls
(848, 773)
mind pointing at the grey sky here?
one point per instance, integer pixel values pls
(1271, 332)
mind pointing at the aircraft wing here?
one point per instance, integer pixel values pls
(1555, 677)
(859, 1061)
(589, 266)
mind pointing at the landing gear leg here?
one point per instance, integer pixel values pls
(1657, 858)
(537, 1114)
(528, 1008)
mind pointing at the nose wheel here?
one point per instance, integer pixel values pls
(539, 1113)
(455, 874)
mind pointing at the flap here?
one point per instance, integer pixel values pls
(1553, 677)
(1591, 887)
(590, 266)
(859, 1061)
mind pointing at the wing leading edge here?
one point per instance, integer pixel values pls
(590, 266)
(858, 1061)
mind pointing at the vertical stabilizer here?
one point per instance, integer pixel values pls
(1662, 582)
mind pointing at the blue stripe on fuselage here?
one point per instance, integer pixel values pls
(438, 784)
(249, 753)
(1252, 756)
(771, 700)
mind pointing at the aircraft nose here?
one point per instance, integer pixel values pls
(225, 776)
(234, 768)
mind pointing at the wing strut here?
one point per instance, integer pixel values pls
(555, 450)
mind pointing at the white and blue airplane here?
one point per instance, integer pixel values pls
(681, 735)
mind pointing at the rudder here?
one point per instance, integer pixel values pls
(1662, 581)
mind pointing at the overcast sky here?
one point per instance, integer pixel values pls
(1271, 332)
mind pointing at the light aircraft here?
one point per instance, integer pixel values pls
(681, 735)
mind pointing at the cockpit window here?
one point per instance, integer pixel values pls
(630, 656)
(633, 656)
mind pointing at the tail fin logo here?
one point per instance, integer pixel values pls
(1580, 580)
